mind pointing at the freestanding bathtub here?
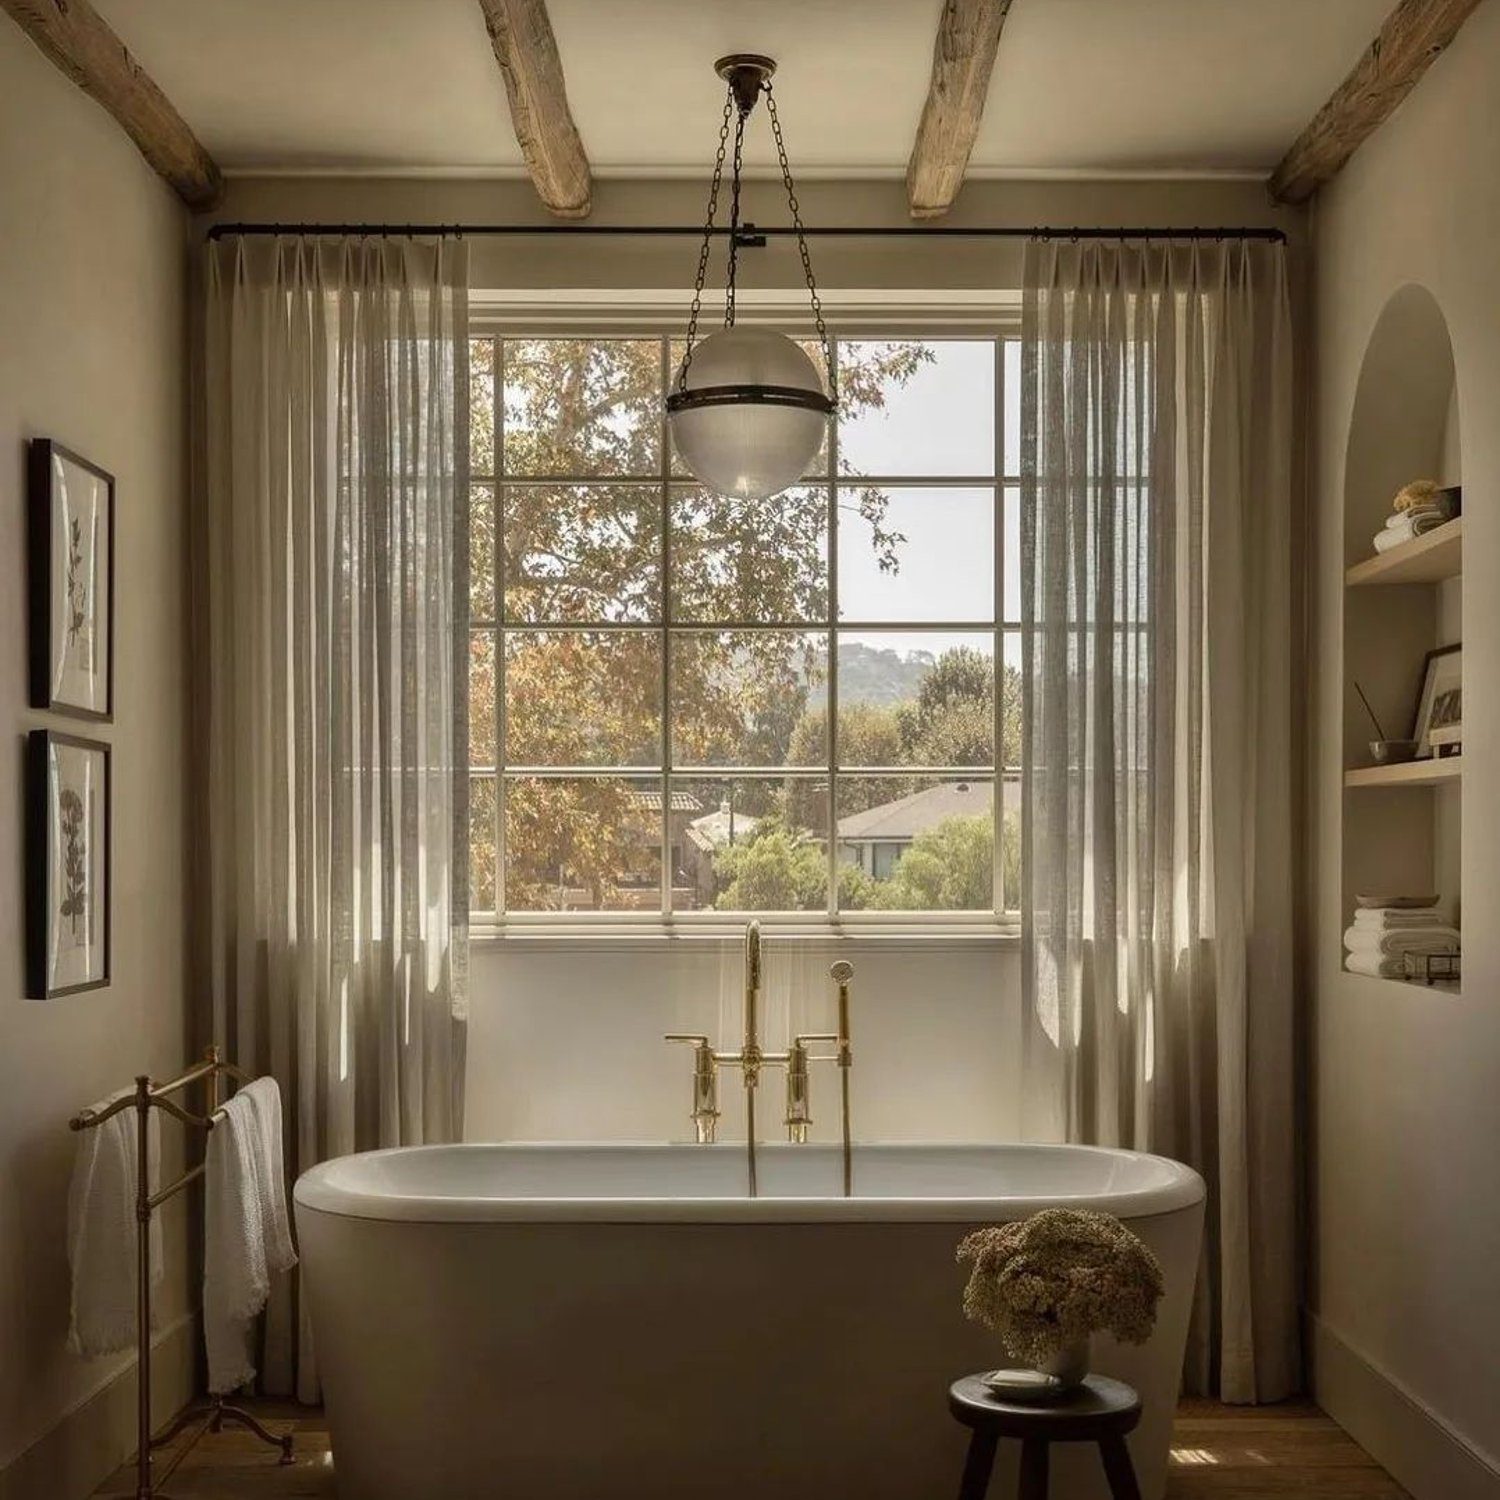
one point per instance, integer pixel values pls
(613, 1322)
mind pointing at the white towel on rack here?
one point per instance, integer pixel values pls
(101, 1230)
(247, 1236)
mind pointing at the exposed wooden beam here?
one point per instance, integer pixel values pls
(963, 57)
(1391, 67)
(526, 50)
(79, 41)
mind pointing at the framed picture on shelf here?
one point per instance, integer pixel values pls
(1440, 707)
(67, 864)
(71, 541)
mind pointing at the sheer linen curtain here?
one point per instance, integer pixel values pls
(1157, 749)
(336, 453)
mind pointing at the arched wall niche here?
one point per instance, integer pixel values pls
(1404, 425)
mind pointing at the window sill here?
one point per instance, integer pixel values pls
(660, 936)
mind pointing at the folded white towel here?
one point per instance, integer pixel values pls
(1389, 918)
(1405, 527)
(1394, 943)
(1414, 512)
(247, 1238)
(1374, 965)
(102, 1228)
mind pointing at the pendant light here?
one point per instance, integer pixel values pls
(748, 410)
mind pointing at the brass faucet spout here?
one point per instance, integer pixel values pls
(751, 1059)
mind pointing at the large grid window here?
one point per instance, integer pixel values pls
(681, 703)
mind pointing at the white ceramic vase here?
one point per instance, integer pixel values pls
(1069, 1365)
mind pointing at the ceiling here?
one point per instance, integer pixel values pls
(1080, 87)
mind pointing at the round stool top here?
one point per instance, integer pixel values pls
(1099, 1407)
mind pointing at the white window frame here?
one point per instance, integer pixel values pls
(586, 313)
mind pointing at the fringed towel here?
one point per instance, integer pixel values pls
(247, 1236)
(102, 1227)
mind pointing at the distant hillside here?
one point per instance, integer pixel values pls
(868, 675)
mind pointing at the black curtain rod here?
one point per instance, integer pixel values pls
(753, 235)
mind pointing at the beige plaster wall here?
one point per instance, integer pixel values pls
(92, 345)
(1406, 1219)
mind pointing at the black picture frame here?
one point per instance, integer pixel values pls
(41, 453)
(39, 863)
(1422, 717)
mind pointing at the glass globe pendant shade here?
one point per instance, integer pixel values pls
(752, 414)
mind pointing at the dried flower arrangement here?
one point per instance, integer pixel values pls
(1052, 1280)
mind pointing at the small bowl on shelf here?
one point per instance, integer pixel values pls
(1392, 752)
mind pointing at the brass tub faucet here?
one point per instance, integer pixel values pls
(751, 1059)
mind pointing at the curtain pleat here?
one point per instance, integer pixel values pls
(336, 541)
(1156, 748)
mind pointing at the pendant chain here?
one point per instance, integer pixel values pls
(734, 214)
(739, 115)
(807, 270)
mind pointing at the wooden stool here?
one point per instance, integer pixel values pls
(1100, 1411)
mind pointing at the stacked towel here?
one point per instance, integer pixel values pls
(1419, 508)
(102, 1227)
(1380, 937)
(1397, 918)
(1408, 525)
(247, 1236)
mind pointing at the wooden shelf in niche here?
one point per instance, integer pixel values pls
(1425, 559)
(1441, 987)
(1410, 773)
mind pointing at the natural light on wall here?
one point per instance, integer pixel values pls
(651, 665)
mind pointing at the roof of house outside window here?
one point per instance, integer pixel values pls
(902, 820)
(650, 801)
(712, 830)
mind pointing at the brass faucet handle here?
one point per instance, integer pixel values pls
(692, 1038)
(804, 1037)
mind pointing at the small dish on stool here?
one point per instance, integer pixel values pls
(1022, 1385)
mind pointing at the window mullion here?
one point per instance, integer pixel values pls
(831, 594)
(997, 794)
(497, 572)
(665, 583)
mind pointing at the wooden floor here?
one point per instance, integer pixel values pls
(1219, 1453)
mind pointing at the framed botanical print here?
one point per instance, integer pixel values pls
(72, 565)
(67, 864)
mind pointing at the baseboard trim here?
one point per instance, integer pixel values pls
(1423, 1452)
(72, 1459)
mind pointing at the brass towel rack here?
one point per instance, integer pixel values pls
(149, 1096)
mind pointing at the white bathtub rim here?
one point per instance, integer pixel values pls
(325, 1189)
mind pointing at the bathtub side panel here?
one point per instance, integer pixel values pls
(572, 1360)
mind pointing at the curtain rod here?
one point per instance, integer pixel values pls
(755, 235)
